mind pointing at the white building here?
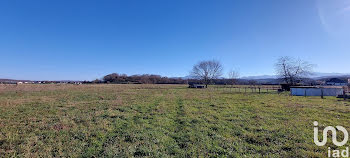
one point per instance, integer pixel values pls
(317, 91)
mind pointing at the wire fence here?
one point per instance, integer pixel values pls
(347, 89)
(247, 88)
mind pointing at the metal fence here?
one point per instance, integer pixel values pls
(347, 89)
(247, 88)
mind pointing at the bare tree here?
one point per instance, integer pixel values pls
(292, 70)
(207, 71)
(232, 76)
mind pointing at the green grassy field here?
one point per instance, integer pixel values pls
(161, 121)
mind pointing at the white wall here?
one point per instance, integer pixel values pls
(316, 91)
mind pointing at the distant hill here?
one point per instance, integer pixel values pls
(262, 79)
(329, 75)
(15, 81)
(315, 75)
(259, 77)
(11, 80)
(273, 79)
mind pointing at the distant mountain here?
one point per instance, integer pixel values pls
(11, 80)
(318, 75)
(184, 78)
(15, 81)
(259, 77)
(315, 75)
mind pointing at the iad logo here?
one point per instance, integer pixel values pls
(332, 153)
(334, 135)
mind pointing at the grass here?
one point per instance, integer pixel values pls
(161, 121)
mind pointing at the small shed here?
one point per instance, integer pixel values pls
(285, 87)
(317, 90)
(192, 85)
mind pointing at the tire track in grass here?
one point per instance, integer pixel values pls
(127, 131)
(181, 133)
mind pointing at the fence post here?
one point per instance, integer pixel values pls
(344, 94)
(259, 90)
(322, 93)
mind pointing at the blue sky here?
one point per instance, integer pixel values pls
(85, 40)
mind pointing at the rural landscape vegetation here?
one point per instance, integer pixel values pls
(162, 117)
(174, 79)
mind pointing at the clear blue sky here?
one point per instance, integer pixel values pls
(84, 40)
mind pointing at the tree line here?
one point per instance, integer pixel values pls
(140, 79)
(289, 70)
